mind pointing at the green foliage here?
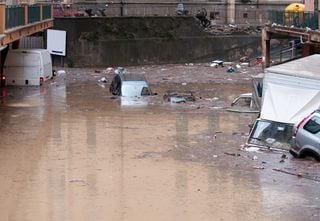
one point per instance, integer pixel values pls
(169, 35)
(90, 36)
(129, 35)
(106, 28)
(70, 63)
(109, 28)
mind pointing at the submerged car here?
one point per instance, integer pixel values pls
(270, 134)
(130, 85)
(306, 137)
(243, 100)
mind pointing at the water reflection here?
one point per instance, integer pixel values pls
(182, 130)
(91, 160)
(91, 133)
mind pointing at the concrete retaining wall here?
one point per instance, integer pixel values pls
(141, 40)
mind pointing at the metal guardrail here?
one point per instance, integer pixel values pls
(33, 13)
(21, 15)
(287, 53)
(46, 12)
(296, 19)
(14, 16)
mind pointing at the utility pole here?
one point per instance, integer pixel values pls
(121, 8)
(231, 10)
(316, 12)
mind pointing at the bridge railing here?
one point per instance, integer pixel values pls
(14, 16)
(295, 19)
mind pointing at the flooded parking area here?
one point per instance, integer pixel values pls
(72, 151)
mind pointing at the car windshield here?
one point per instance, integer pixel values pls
(271, 134)
(134, 90)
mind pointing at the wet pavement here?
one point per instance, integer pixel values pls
(70, 151)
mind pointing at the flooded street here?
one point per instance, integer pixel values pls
(71, 151)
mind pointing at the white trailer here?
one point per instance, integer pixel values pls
(291, 91)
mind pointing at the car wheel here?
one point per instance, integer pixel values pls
(310, 153)
(293, 153)
(317, 157)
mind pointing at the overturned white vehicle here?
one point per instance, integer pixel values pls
(291, 91)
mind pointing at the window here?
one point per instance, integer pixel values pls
(313, 125)
(245, 15)
(214, 15)
(145, 91)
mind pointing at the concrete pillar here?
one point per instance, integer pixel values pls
(26, 16)
(15, 44)
(266, 47)
(231, 11)
(41, 11)
(51, 10)
(306, 49)
(2, 17)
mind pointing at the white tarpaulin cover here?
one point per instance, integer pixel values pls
(291, 90)
(287, 104)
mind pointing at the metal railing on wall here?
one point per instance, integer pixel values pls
(14, 16)
(33, 13)
(296, 19)
(46, 12)
(218, 14)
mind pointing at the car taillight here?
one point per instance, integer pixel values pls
(41, 80)
(300, 123)
(3, 92)
(3, 80)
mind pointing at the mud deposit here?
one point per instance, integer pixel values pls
(70, 151)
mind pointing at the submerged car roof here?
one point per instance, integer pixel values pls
(132, 77)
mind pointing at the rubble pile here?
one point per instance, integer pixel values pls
(233, 29)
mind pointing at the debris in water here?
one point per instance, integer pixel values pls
(103, 80)
(232, 154)
(61, 72)
(251, 149)
(120, 70)
(179, 98)
(108, 70)
(216, 63)
(231, 69)
(300, 174)
(255, 158)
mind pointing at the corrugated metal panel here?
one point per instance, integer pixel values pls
(32, 42)
(292, 81)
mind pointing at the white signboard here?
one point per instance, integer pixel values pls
(56, 42)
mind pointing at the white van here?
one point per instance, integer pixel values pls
(27, 67)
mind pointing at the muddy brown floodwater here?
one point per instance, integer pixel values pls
(69, 151)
